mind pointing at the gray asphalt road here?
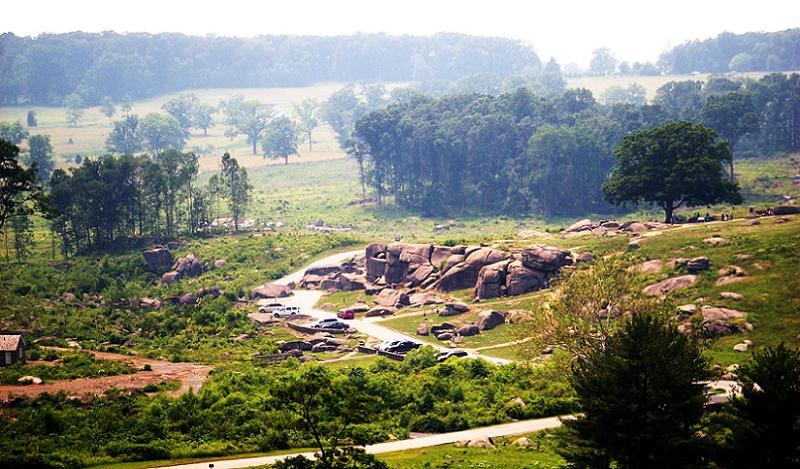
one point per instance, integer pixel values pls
(506, 429)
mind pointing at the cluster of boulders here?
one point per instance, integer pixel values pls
(186, 299)
(446, 331)
(425, 267)
(712, 321)
(187, 266)
(316, 343)
(610, 227)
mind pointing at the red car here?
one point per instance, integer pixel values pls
(346, 314)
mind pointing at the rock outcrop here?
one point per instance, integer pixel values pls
(271, 290)
(669, 285)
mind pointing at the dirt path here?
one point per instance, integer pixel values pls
(190, 375)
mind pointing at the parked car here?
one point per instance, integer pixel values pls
(269, 307)
(444, 355)
(400, 347)
(330, 323)
(346, 314)
(286, 311)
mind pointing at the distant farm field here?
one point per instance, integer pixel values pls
(88, 139)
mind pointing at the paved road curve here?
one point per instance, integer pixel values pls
(506, 429)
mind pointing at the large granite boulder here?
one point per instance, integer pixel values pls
(440, 254)
(521, 279)
(323, 270)
(375, 259)
(351, 282)
(581, 225)
(424, 299)
(491, 280)
(487, 320)
(669, 285)
(468, 330)
(465, 274)
(786, 209)
(698, 264)
(392, 297)
(271, 290)
(545, 258)
(158, 259)
(419, 275)
(295, 345)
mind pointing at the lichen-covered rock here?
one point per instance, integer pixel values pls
(157, 259)
(491, 281)
(188, 266)
(170, 277)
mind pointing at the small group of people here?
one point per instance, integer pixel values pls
(698, 218)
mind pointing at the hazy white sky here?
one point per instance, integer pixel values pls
(568, 30)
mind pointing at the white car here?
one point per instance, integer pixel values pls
(286, 311)
(269, 307)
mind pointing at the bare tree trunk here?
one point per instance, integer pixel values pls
(309, 140)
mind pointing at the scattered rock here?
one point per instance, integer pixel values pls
(219, 263)
(729, 295)
(782, 220)
(669, 285)
(456, 307)
(518, 401)
(67, 297)
(687, 309)
(322, 347)
(422, 329)
(651, 267)
(444, 336)
(295, 345)
(157, 259)
(717, 241)
(742, 347)
(635, 227)
(188, 266)
(487, 320)
(585, 224)
(149, 303)
(271, 290)
(380, 311)
(522, 442)
(481, 442)
(698, 264)
(752, 222)
(633, 245)
(356, 308)
(468, 330)
(437, 329)
(170, 277)
(29, 380)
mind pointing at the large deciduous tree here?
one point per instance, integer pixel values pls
(641, 396)
(73, 104)
(236, 187)
(40, 156)
(13, 132)
(307, 115)
(161, 132)
(683, 100)
(732, 115)
(677, 164)
(182, 107)
(327, 405)
(281, 139)
(246, 117)
(603, 62)
(107, 107)
(125, 137)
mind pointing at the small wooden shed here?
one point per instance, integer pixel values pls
(12, 349)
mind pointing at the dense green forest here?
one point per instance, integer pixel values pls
(776, 51)
(518, 152)
(45, 69)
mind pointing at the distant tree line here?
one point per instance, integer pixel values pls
(776, 51)
(518, 152)
(48, 68)
(113, 197)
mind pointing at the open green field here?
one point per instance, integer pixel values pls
(93, 129)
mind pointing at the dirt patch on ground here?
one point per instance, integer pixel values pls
(190, 375)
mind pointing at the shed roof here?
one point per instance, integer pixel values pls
(10, 342)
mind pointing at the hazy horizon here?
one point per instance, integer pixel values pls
(552, 30)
